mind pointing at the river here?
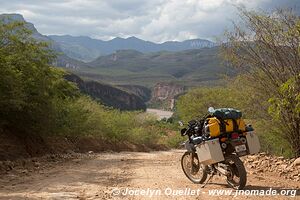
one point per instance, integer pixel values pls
(160, 114)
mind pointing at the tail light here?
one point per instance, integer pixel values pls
(234, 136)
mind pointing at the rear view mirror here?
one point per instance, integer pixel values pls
(211, 109)
(180, 123)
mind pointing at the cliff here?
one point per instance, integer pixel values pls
(164, 95)
(143, 92)
(108, 95)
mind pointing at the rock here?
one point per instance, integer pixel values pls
(8, 165)
(37, 164)
(255, 162)
(90, 152)
(70, 151)
(278, 163)
(265, 163)
(252, 157)
(23, 162)
(296, 162)
(283, 166)
(289, 169)
(77, 160)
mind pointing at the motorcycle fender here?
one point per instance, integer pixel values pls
(190, 147)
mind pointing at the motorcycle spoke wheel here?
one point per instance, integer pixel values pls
(194, 171)
(237, 176)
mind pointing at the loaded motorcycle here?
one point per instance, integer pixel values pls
(209, 155)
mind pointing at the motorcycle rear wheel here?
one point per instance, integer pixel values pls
(237, 177)
(195, 171)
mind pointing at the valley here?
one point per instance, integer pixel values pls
(126, 73)
(149, 99)
(188, 68)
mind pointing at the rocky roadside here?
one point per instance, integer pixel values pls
(263, 163)
(27, 165)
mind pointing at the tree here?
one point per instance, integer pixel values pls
(28, 82)
(265, 47)
(196, 102)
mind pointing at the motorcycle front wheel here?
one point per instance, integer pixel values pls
(237, 176)
(192, 168)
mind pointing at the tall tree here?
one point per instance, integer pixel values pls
(265, 46)
(28, 82)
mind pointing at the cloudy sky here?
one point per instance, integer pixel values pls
(153, 20)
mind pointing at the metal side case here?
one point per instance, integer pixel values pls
(210, 152)
(253, 143)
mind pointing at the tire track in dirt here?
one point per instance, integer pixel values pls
(98, 177)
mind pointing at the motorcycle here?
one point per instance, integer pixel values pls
(233, 146)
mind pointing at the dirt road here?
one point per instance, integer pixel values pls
(100, 176)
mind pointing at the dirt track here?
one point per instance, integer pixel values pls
(98, 177)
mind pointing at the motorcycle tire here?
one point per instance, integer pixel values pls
(195, 168)
(237, 169)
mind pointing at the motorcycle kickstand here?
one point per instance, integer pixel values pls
(209, 178)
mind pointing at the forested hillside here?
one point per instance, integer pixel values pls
(190, 67)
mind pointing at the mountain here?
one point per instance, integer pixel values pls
(62, 59)
(127, 98)
(86, 49)
(108, 95)
(189, 67)
(132, 68)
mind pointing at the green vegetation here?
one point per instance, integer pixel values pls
(189, 67)
(267, 91)
(272, 61)
(196, 102)
(37, 100)
(84, 116)
(29, 86)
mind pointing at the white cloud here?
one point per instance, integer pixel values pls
(155, 20)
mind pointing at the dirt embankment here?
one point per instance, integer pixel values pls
(101, 176)
(14, 147)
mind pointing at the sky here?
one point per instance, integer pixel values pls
(152, 20)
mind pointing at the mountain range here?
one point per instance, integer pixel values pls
(128, 69)
(188, 68)
(117, 97)
(87, 49)
(62, 59)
